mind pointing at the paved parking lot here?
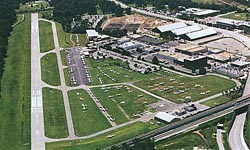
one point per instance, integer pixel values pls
(78, 69)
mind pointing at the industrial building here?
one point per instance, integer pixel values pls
(165, 117)
(200, 34)
(92, 34)
(129, 45)
(191, 49)
(197, 12)
(171, 56)
(185, 30)
(169, 27)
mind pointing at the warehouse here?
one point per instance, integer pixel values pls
(191, 49)
(169, 27)
(129, 45)
(205, 13)
(92, 34)
(200, 34)
(170, 56)
(185, 30)
(165, 117)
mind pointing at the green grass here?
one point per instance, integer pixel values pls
(131, 100)
(83, 41)
(191, 139)
(236, 16)
(217, 101)
(64, 38)
(116, 69)
(46, 36)
(110, 107)
(50, 72)
(89, 121)
(120, 134)
(67, 76)
(15, 90)
(181, 87)
(63, 57)
(54, 114)
(247, 128)
(19, 19)
(29, 6)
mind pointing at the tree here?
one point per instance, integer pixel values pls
(128, 10)
(155, 60)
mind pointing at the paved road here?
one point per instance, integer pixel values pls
(37, 120)
(219, 139)
(236, 134)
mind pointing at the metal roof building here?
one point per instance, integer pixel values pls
(201, 34)
(169, 27)
(205, 12)
(92, 33)
(186, 30)
(162, 116)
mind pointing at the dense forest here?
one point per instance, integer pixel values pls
(66, 10)
(174, 4)
(244, 2)
(7, 18)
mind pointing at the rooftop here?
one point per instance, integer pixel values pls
(200, 34)
(92, 33)
(186, 30)
(172, 26)
(165, 116)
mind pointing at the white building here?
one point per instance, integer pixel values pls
(91, 34)
(165, 117)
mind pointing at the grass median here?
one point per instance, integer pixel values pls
(15, 90)
(63, 37)
(54, 114)
(46, 36)
(87, 121)
(50, 72)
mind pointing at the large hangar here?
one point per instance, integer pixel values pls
(185, 30)
(200, 34)
(169, 27)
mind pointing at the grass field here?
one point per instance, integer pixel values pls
(116, 69)
(111, 107)
(89, 121)
(179, 88)
(63, 38)
(19, 19)
(82, 39)
(54, 114)
(131, 100)
(15, 90)
(50, 72)
(217, 101)
(247, 128)
(67, 76)
(102, 141)
(46, 36)
(236, 16)
(206, 137)
(63, 57)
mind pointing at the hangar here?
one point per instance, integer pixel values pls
(165, 117)
(185, 30)
(169, 27)
(200, 34)
(92, 34)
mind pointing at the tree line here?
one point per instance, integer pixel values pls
(7, 19)
(174, 4)
(66, 10)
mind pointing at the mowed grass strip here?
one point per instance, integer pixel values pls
(63, 38)
(217, 101)
(88, 121)
(102, 141)
(131, 100)
(83, 40)
(54, 114)
(110, 106)
(67, 76)
(63, 57)
(15, 90)
(46, 36)
(50, 72)
(177, 88)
